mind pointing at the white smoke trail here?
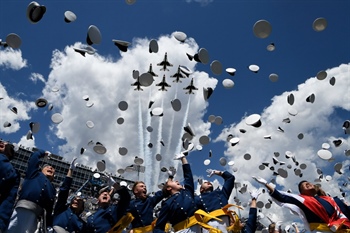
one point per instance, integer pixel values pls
(169, 140)
(148, 155)
(179, 145)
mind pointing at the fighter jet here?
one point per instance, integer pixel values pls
(137, 84)
(164, 63)
(150, 71)
(163, 84)
(190, 88)
(177, 76)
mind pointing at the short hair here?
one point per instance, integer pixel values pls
(166, 192)
(135, 184)
(299, 185)
(272, 227)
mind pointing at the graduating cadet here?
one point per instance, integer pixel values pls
(67, 216)
(142, 207)
(9, 182)
(213, 201)
(36, 197)
(180, 206)
(321, 212)
(107, 215)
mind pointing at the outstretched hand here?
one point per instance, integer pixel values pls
(255, 194)
(260, 180)
(73, 164)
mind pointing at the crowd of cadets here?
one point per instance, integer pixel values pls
(33, 210)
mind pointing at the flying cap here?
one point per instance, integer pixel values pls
(332, 81)
(120, 120)
(273, 77)
(123, 105)
(253, 120)
(290, 99)
(122, 45)
(180, 36)
(176, 104)
(41, 102)
(130, 2)
(93, 35)
(34, 127)
(254, 68)
(7, 124)
(69, 17)
(216, 67)
(321, 75)
(56, 118)
(271, 47)
(218, 120)
(207, 92)
(324, 154)
(231, 71)
(204, 140)
(101, 165)
(319, 24)
(262, 29)
(123, 150)
(13, 40)
(146, 79)
(99, 148)
(153, 46)
(311, 98)
(138, 160)
(203, 56)
(35, 12)
(228, 83)
(90, 124)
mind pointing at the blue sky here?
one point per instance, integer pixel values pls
(46, 59)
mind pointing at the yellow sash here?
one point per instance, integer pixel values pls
(122, 223)
(324, 227)
(230, 213)
(197, 218)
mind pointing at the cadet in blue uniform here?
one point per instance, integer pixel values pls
(36, 197)
(180, 206)
(9, 182)
(107, 215)
(142, 208)
(67, 216)
(250, 225)
(211, 200)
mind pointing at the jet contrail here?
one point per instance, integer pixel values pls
(148, 155)
(141, 140)
(179, 145)
(169, 140)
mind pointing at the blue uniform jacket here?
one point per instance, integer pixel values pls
(63, 214)
(105, 218)
(9, 182)
(37, 187)
(179, 206)
(311, 217)
(343, 207)
(216, 199)
(142, 210)
(250, 225)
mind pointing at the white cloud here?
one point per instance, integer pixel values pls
(34, 77)
(107, 82)
(12, 59)
(6, 115)
(320, 122)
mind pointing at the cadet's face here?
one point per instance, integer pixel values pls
(49, 172)
(104, 198)
(140, 190)
(174, 185)
(77, 204)
(206, 186)
(307, 188)
(2, 146)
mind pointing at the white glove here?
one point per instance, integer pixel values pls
(210, 172)
(171, 172)
(255, 194)
(110, 182)
(48, 154)
(179, 156)
(278, 225)
(73, 165)
(294, 224)
(260, 180)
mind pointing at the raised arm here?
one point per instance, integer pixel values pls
(33, 163)
(188, 177)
